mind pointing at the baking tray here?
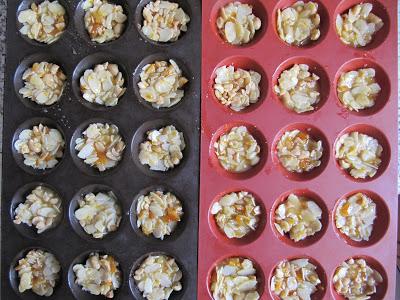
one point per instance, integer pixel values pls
(74, 52)
(268, 119)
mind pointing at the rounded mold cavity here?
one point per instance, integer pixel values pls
(252, 235)
(176, 295)
(81, 28)
(381, 289)
(19, 82)
(80, 164)
(381, 78)
(247, 64)
(382, 140)
(77, 290)
(140, 136)
(256, 133)
(26, 4)
(180, 226)
(14, 279)
(310, 240)
(315, 134)
(381, 222)
(19, 158)
(90, 62)
(159, 57)
(323, 26)
(74, 205)
(259, 11)
(20, 197)
(314, 67)
(321, 288)
(138, 22)
(378, 9)
(261, 286)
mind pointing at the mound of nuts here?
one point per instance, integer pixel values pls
(298, 88)
(355, 217)
(358, 26)
(235, 278)
(359, 154)
(238, 88)
(298, 151)
(237, 24)
(98, 214)
(43, 23)
(42, 209)
(237, 151)
(163, 149)
(236, 214)
(41, 147)
(358, 89)
(299, 24)
(298, 216)
(158, 213)
(101, 146)
(161, 83)
(295, 279)
(43, 83)
(157, 277)
(163, 21)
(103, 85)
(103, 21)
(100, 275)
(38, 271)
(355, 279)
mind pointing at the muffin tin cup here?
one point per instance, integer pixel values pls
(327, 57)
(74, 52)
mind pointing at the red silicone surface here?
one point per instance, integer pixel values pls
(268, 119)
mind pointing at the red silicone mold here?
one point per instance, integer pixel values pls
(269, 119)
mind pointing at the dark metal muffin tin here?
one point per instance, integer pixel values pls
(74, 52)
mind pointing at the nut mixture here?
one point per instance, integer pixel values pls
(355, 217)
(103, 85)
(98, 214)
(298, 88)
(158, 277)
(101, 146)
(298, 216)
(161, 83)
(236, 214)
(103, 21)
(299, 152)
(163, 149)
(44, 22)
(41, 147)
(358, 89)
(359, 154)
(237, 151)
(42, 209)
(358, 26)
(158, 213)
(238, 88)
(38, 271)
(299, 24)
(43, 83)
(100, 275)
(163, 21)
(295, 279)
(235, 278)
(355, 279)
(237, 24)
